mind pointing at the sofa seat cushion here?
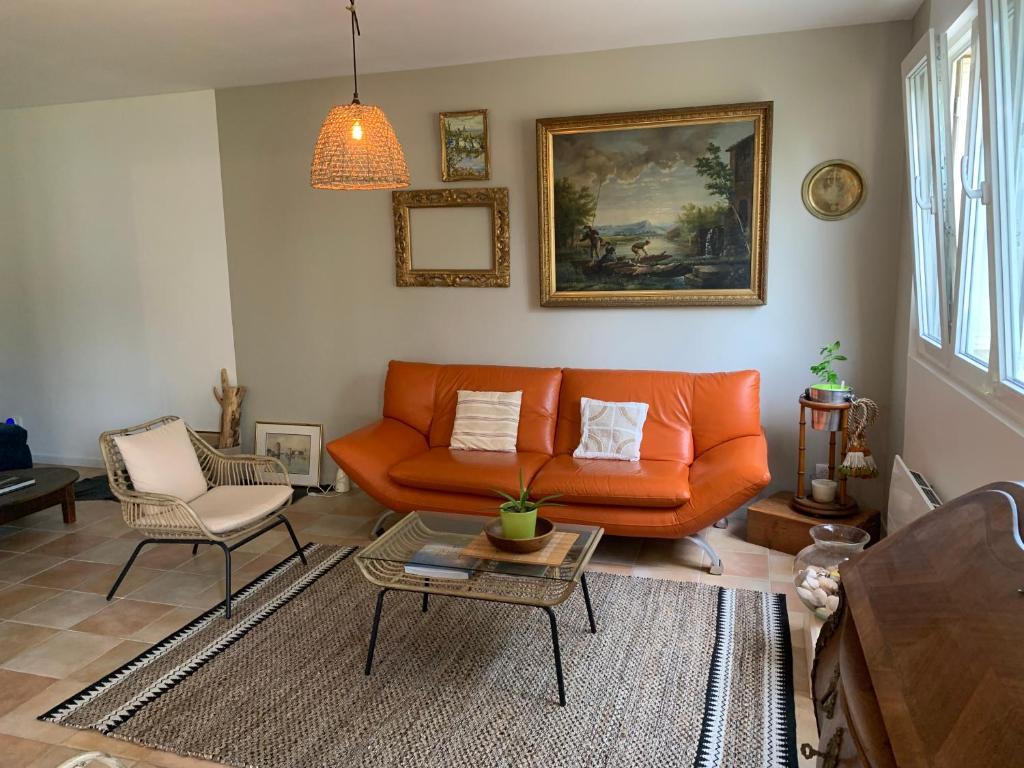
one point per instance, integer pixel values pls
(442, 469)
(230, 507)
(643, 483)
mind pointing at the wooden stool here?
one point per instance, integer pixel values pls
(773, 523)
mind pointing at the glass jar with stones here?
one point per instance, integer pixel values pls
(816, 568)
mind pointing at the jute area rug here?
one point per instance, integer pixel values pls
(679, 674)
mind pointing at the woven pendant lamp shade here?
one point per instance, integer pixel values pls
(367, 156)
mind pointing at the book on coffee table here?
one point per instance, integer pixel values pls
(11, 483)
(440, 560)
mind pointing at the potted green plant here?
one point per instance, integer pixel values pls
(829, 388)
(519, 515)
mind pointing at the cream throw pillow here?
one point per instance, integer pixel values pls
(162, 460)
(486, 421)
(610, 430)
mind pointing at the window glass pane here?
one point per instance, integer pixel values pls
(1008, 157)
(959, 98)
(975, 335)
(922, 184)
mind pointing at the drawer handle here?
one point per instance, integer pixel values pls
(828, 701)
(830, 757)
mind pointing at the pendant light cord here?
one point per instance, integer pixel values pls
(355, 71)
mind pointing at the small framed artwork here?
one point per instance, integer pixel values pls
(465, 150)
(833, 190)
(297, 446)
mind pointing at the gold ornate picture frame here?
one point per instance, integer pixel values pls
(495, 199)
(656, 208)
(465, 146)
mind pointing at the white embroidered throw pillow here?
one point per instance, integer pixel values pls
(610, 430)
(486, 421)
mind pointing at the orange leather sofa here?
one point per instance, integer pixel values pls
(703, 452)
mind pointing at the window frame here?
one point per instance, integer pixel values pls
(1007, 395)
(926, 53)
(968, 26)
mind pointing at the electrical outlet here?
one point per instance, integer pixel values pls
(821, 471)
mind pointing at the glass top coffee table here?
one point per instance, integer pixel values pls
(424, 553)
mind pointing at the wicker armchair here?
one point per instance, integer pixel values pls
(166, 519)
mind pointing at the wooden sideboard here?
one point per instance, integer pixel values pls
(923, 663)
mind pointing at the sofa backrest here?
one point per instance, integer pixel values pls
(409, 393)
(688, 414)
(536, 415)
(668, 396)
(725, 406)
(424, 396)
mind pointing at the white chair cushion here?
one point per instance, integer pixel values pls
(162, 460)
(229, 507)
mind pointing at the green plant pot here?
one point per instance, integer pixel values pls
(519, 525)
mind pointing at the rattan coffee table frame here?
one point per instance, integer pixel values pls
(383, 565)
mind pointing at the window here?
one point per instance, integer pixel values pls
(919, 95)
(1006, 29)
(964, 106)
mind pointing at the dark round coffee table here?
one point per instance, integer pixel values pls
(53, 486)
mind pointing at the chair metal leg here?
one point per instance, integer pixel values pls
(227, 578)
(426, 601)
(373, 631)
(195, 548)
(716, 562)
(586, 599)
(124, 571)
(295, 541)
(558, 656)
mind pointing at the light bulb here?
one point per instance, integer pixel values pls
(357, 131)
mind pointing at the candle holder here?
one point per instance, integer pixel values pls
(842, 504)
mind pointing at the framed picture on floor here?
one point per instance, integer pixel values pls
(665, 207)
(297, 446)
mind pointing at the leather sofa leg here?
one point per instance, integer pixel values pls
(716, 562)
(378, 524)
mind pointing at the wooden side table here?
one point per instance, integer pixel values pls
(53, 486)
(773, 523)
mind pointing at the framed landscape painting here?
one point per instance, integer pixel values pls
(465, 153)
(666, 207)
(297, 446)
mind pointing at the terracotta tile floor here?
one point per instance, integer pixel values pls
(58, 633)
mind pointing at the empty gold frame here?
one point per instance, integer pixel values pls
(495, 199)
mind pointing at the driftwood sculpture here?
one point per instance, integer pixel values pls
(230, 399)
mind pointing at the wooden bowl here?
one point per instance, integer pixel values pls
(545, 530)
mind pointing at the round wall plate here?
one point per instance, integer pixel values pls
(833, 189)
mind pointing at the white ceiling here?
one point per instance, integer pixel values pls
(56, 51)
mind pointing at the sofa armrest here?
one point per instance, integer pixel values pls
(725, 476)
(367, 454)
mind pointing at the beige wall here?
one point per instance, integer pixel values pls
(115, 305)
(316, 312)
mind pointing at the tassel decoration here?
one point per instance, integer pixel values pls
(858, 461)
